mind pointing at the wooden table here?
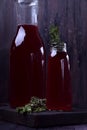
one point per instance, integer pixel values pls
(44, 119)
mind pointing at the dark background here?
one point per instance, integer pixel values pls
(71, 16)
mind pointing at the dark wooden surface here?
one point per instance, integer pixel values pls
(45, 119)
(10, 126)
(71, 16)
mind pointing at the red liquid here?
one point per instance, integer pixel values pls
(27, 66)
(58, 83)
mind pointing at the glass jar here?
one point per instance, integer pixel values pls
(58, 89)
(27, 56)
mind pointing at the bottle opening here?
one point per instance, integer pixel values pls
(29, 2)
(61, 47)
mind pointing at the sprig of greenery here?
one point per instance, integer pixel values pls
(55, 40)
(54, 35)
(35, 105)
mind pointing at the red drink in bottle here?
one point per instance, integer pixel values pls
(58, 81)
(27, 58)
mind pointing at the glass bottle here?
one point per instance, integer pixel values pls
(27, 56)
(58, 90)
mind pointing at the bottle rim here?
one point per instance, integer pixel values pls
(60, 47)
(29, 2)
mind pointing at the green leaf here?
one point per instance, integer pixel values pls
(36, 105)
(54, 35)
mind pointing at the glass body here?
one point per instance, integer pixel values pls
(27, 65)
(58, 90)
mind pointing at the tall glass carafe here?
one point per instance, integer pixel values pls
(58, 89)
(27, 56)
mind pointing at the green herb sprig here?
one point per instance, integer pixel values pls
(55, 40)
(35, 105)
(54, 35)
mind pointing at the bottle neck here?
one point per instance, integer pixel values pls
(27, 12)
(61, 47)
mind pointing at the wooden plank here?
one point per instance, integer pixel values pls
(44, 119)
